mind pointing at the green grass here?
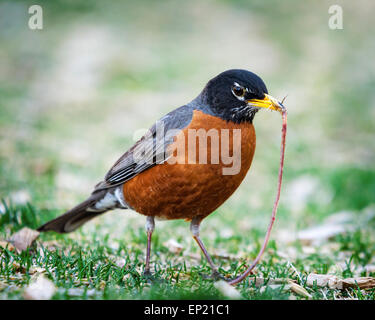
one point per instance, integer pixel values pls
(64, 121)
(86, 265)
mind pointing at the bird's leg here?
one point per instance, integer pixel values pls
(194, 228)
(150, 226)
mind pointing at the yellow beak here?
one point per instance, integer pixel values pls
(268, 102)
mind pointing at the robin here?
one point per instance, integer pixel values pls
(160, 177)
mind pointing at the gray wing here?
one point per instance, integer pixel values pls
(148, 151)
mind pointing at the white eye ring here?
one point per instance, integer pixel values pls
(238, 91)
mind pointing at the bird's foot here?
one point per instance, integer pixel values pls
(152, 278)
(148, 275)
(216, 276)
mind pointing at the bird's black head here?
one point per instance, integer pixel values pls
(236, 95)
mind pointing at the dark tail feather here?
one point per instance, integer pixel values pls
(74, 218)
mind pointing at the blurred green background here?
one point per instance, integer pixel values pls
(73, 94)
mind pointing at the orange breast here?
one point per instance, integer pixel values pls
(186, 190)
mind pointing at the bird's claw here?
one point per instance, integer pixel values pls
(216, 276)
(148, 275)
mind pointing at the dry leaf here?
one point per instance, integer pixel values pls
(40, 289)
(333, 225)
(223, 255)
(102, 284)
(322, 280)
(33, 270)
(335, 269)
(258, 281)
(83, 281)
(286, 285)
(320, 233)
(341, 217)
(195, 256)
(24, 238)
(54, 245)
(16, 276)
(126, 277)
(173, 246)
(120, 262)
(6, 244)
(333, 282)
(227, 290)
(17, 266)
(296, 288)
(361, 282)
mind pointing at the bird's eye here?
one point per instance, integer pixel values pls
(238, 91)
